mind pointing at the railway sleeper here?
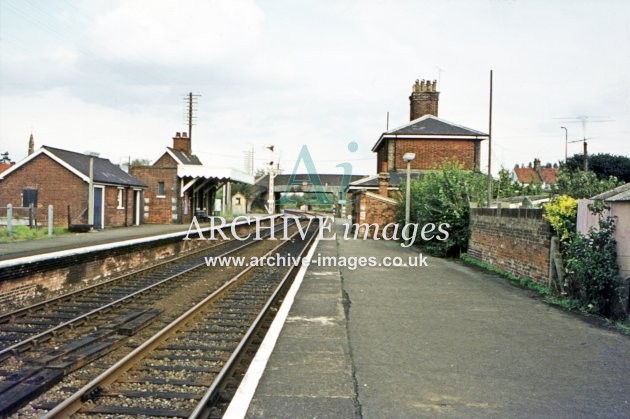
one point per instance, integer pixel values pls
(22, 392)
(133, 411)
(169, 395)
(139, 323)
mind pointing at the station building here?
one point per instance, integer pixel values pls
(433, 140)
(180, 186)
(61, 178)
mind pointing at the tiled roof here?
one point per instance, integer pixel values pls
(529, 175)
(104, 170)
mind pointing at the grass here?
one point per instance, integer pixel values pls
(565, 303)
(21, 233)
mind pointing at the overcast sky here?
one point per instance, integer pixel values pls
(110, 76)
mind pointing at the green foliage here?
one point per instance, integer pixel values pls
(561, 212)
(518, 280)
(444, 196)
(21, 233)
(580, 184)
(591, 265)
(243, 188)
(603, 165)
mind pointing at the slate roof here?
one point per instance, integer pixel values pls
(185, 158)
(620, 193)
(104, 170)
(395, 179)
(431, 126)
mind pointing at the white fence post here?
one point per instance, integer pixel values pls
(10, 219)
(50, 220)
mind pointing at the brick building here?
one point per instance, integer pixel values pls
(536, 175)
(432, 139)
(180, 186)
(61, 178)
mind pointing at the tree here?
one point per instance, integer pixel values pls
(580, 184)
(444, 196)
(603, 165)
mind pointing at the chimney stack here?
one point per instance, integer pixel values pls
(383, 183)
(181, 142)
(424, 99)
(537, 166)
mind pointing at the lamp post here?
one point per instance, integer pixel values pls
(566, 143)
(408, 158)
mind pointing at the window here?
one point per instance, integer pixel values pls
(238, 201)
(29, 197)
(119, 200)
(160, 189)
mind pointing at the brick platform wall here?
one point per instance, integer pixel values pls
(514, 240)
(370, 208)
(56, 186)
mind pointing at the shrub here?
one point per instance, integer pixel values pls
(444, 196)
(591, 265)
(561, 212)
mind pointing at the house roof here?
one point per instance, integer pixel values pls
(431, 127)
(620, 193)
(104, 171)
(182, 157)
(5, 166)
(529, 175)
(395, 179)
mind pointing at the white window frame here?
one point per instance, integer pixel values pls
(119, 199)
(157, 195)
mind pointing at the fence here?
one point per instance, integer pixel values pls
(11, 216)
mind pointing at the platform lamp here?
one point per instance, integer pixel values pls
(408, 158)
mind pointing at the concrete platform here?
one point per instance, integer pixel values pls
(443, 340)
(19, 249)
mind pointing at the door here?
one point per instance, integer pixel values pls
(98, 207)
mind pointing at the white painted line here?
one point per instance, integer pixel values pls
(105, 246)
(242, 398)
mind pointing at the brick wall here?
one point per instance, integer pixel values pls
(159, 209)
(115, 216)
(371, 208)
(514, 240)
(430, 153)
(56, 186)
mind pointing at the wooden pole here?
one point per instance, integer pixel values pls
(490, 145)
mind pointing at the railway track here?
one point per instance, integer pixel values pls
(181, 370)
(24, 328)
(100, 322)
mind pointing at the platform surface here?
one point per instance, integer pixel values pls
(19, 249)
(444, 340)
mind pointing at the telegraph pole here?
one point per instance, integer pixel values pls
(191, 109)
(490, 145)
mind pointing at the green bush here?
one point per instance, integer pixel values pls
(561, 212)
(591, 265)
(444, 195)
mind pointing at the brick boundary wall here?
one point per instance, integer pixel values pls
(516, 240)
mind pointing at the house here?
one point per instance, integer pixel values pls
(618, 201)
(180, 186)
(536, 175)
(433, 140)
(61, 178)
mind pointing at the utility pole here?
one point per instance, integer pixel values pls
(566, 144)
(191, 108)
(584, 119)
(490, 145)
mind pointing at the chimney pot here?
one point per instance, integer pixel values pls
(424, 99)
(184, 135)
(177, 135)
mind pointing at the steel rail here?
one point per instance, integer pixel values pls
(203, 405)
(32, 340)
(73, 403)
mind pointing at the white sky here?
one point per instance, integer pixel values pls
(110, 76)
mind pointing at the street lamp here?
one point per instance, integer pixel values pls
(566, 143)
(408, 158)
